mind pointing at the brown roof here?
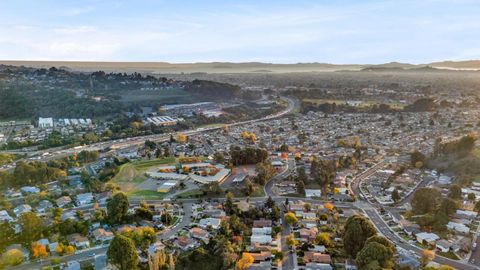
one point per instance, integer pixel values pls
(260, 257)
(316, 257)
(260, 223)
(198, 232)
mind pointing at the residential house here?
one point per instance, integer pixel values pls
(84, 199)
(62, 201)
(214, 223)
(185, 243)
(72, 265)
(260, 256)
(29, 190)
(318, 266)
(427, 238)
(444, 245)
(52, 247)
(23, 208)
(308, 235)
(201, 234)
(78, 241)
(102, 236)
(458, 227)
(316, 257)
(44, 206)
(4, 216)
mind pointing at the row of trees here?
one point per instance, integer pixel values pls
(32, 173)
(247, 155)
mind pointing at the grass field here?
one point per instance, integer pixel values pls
(145, 164)
(132, 174)
(146, 194)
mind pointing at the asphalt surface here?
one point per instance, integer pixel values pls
(369, 209)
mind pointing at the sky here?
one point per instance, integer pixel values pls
(274, 31)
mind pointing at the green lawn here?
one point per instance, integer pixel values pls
(146, 194)
(132, 174)
(196, 193)
(145, 164)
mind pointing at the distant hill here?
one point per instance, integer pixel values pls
(247, 67)
(460, 65)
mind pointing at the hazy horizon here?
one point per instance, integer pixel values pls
(280, 32)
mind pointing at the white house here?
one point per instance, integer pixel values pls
(309, 193)
(444, 245)
(84, 198)
(261, 239)
(4, 216)
(29, 189)
(45, 122)
(213, 222)
(429, 238)
(458, 227)
(23, 208)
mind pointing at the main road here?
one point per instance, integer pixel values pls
(60, 152)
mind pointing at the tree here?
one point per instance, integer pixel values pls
(323, 239)
(375, 253)
(265, 172)
(143, 213)
(290, 218)
(158, 261)
(218, 157)
(181, 138)
(143, 237)
(39, 251)
(69, 249)
(384, 241)
(448, 206)
(455, 192)
(416, 156)
(357, 230)
(249, 187)
(307, 207)
(328, 206)
(245, 261)
(425, 200)
(228, 206)
(278, 256)
(7, 234)
(427, 256)
(32, 227)
(477, 206)
(395, 196)
(300, 187)
(117, 207)
(290, 241)
(122, 253)
(12, 257)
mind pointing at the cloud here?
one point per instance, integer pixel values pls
(273, 31)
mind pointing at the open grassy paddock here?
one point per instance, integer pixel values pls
(132, 174)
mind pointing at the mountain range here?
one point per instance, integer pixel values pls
(246, 67)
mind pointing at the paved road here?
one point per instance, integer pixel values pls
(371, 212)
(60, 152)
(89, 254)
(289, 262)
(399, 242)
(289, 169)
